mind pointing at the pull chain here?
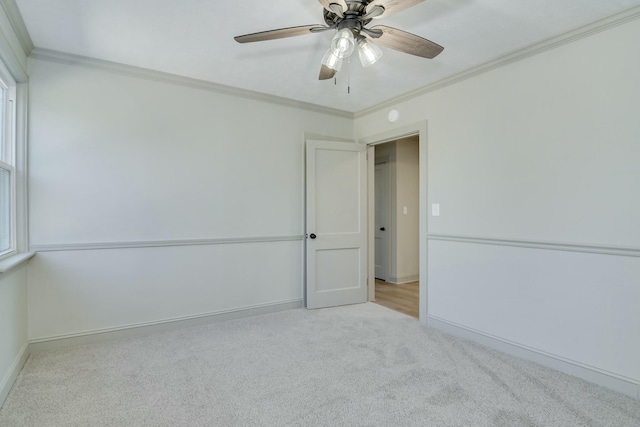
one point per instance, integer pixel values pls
(335, 79)
(349, 75)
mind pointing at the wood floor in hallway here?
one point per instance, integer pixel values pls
(402, 298)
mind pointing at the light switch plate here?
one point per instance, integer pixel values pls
(435, 209)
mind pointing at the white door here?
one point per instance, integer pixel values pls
(382, 221)
(336, 223)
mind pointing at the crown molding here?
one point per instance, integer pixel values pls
(159, 76)
(139, 72)
(510, 58)
(15, 18)
(11, 50)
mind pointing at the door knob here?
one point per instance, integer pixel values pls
(381, 228)
(313, 236)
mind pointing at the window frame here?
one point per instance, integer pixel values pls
(8, 150)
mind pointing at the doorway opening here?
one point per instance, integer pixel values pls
(396, 224)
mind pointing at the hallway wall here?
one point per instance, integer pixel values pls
(402, 158)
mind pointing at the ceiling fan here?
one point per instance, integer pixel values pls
(349, 19)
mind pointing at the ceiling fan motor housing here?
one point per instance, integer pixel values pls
(351, 19)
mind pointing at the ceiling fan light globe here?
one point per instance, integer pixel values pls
(368, 52)
(332, 61)
(343, 43)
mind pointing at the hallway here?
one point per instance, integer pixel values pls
(402, 298)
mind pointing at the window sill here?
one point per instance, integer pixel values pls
(14, 261)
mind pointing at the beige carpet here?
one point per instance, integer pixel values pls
(361, 365)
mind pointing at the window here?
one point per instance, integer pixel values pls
(7, 164)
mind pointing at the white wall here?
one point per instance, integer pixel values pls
(118, 159)
(544, 149)
(13, 326)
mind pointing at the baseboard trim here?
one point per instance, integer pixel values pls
(167, 325)
(14, 371)
(402, 280)
(620, 384)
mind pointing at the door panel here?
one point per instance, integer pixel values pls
(337, 269)
(337, 211)
(336, 223)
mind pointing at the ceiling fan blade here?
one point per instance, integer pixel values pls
(320, 29)
(407, 42)
(280, 33)
(326, 73)
(373, 12)
(327, 5)
(391, 6)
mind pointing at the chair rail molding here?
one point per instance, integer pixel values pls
(53, 247)
(539, 244)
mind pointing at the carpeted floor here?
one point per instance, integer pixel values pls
(347, 366)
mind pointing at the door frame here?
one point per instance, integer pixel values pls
(413, 129)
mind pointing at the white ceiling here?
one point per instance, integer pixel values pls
(194, 38)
